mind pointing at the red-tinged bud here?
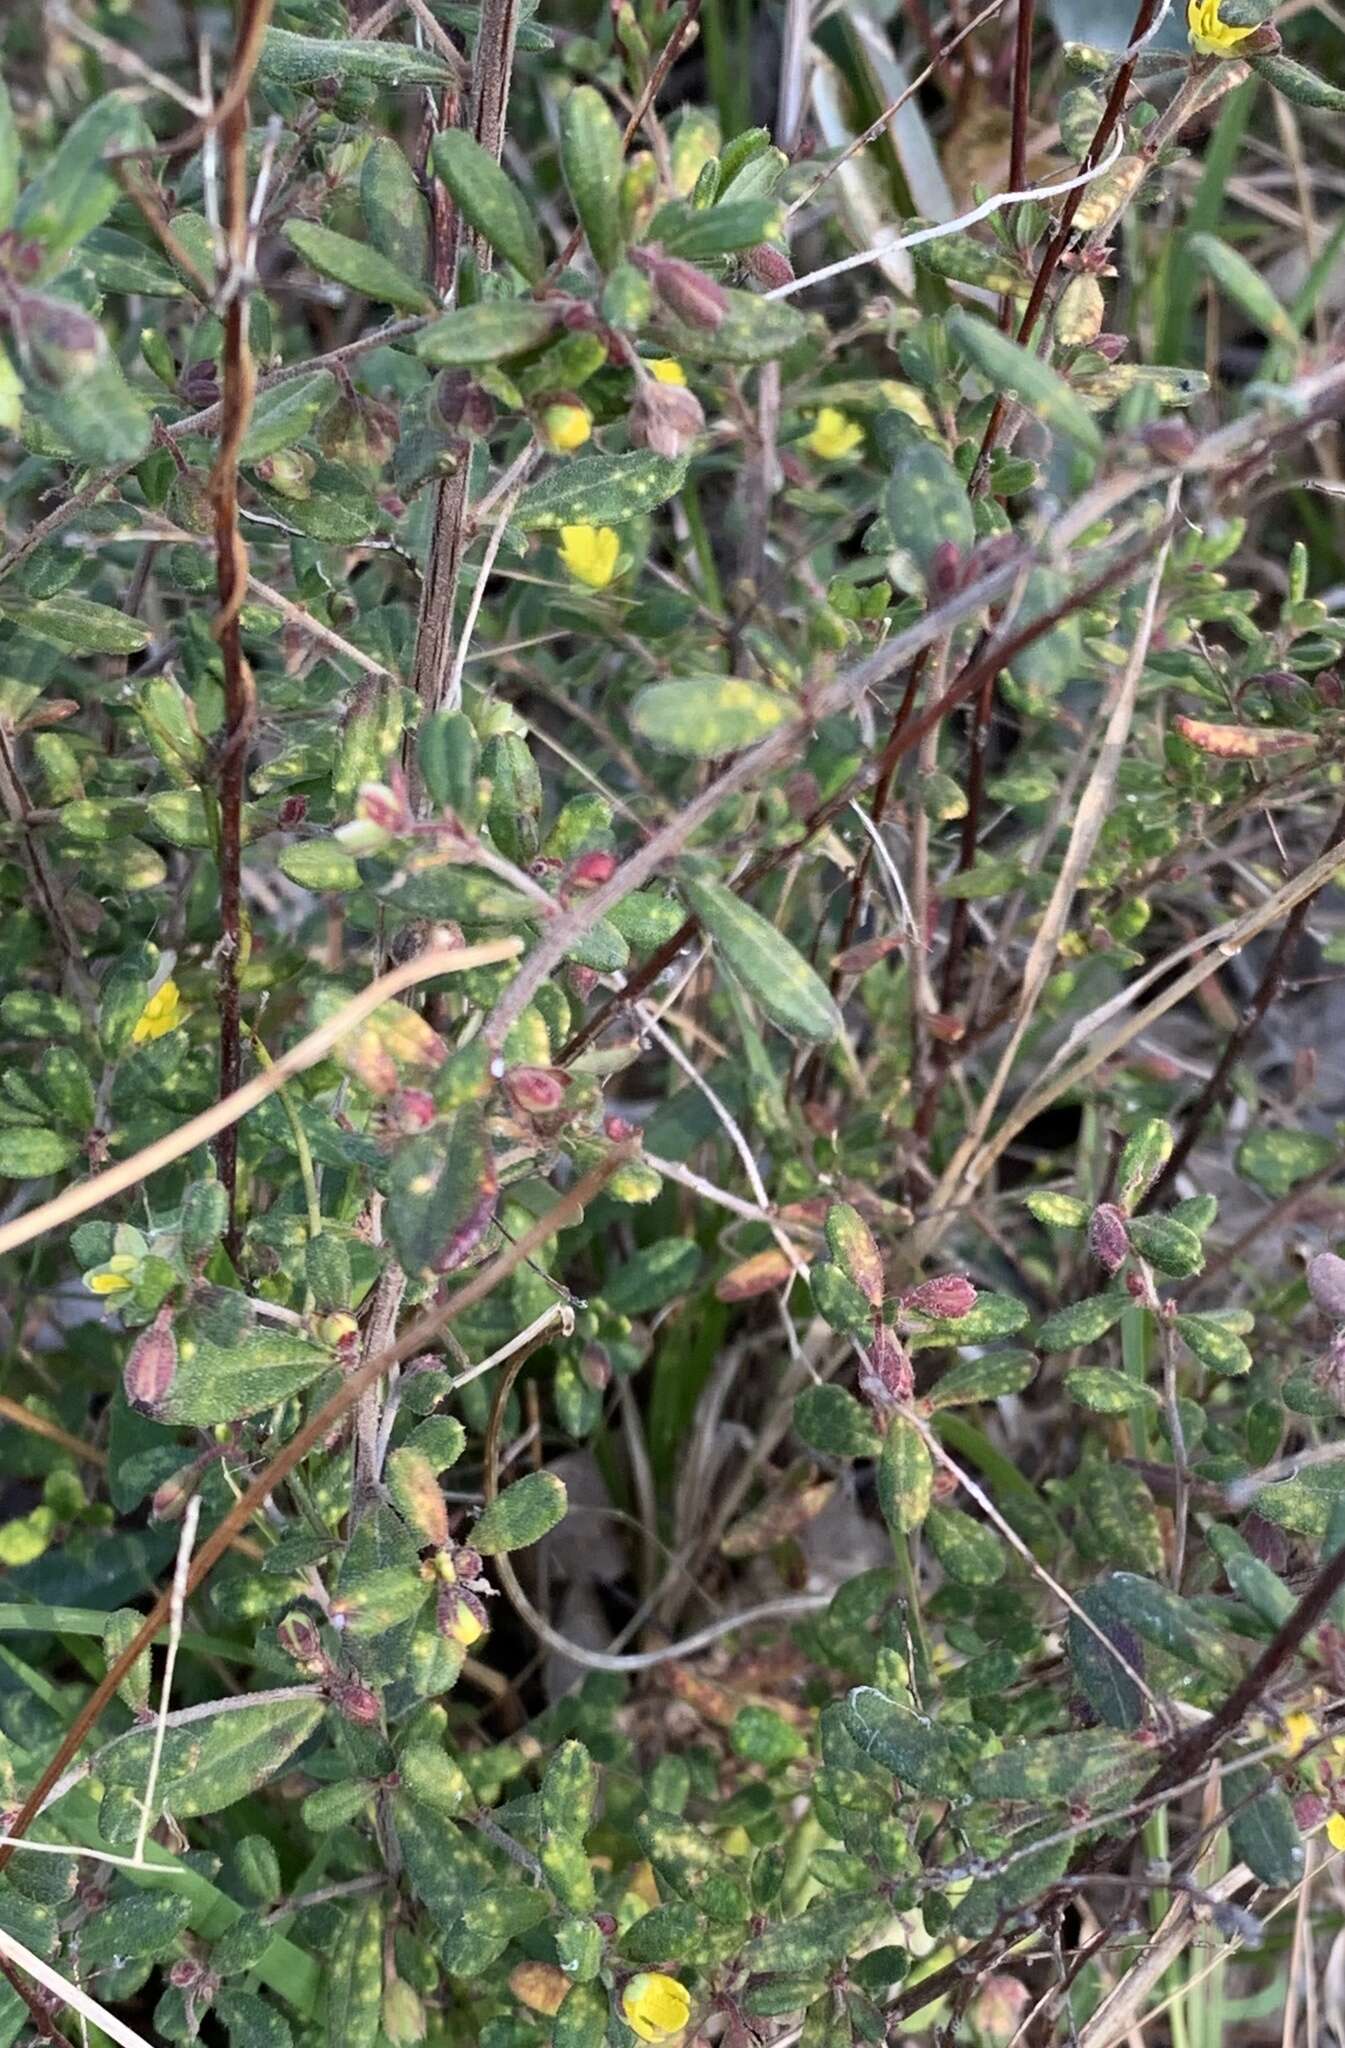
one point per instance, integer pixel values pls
(199, 384)
(947, 1029)
(591, 870)
(1135, 1286)
(384, 807)
(359, 1704)
(289, 473)
(944, 574)
(886, 1379)
(859, 959)
(1263, 41)
(948, 1296)
(1108, 1238)
(1330, 689)
(61, 341)
(605, 1924)
(1310, 1811)
(461, 403)
(767, 266)
(1171, 440)
(411, 1109)
(292, 812)
(582, 981)
(1326, 1284)
(944, 1484)
(148, 1372)
(536, 1091)
(298, 1637)
(688, 293)
(169, 1501)
(667, 418)
(997, 2009)
(185, 1972)
(1111, 347)
(466, 1564)
(595, 1368)
(619, 1128)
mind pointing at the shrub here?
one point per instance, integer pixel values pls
(637, 877)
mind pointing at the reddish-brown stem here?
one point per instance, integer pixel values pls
(231, 568)
(1022, 93)
(1214, 1090)
(1059, 242)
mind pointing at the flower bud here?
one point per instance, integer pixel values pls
(460, 1616)
(767, 266)
(536, 1091)
(565, 425)
(461, 403)
(948, 1296)
(170, 1499)
(288, 473)
(886, 1378)
(199, 383)
(1171, 440)
(63, 343)
(1108, 1238)
(1326, 1284)
(359, 1704)
(687, 292)
(665, 417)
(1111, 347)
(298, 1637)
(403, 2013)
(148, 1372)
(944, 572)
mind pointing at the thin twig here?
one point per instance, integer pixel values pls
(177, 1603)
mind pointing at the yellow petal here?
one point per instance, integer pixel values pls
(590, 554)
(162, 1013)
(833, 435)
(668, 370)
(566, 427)
(1335, 1831)
(102, 1281)
(1299, 1731)
(656, 2007)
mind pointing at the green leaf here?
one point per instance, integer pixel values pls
(1262, 1832)
(914, 1749)
(1057, 1767)
(599, 490)
(1305, 88)
(1254, 1582)
(926, 504)
(590, 155)
(905, 1476)
(792, 995)
(1146, 1152)
(223, 1383)
(839, 1300)
(992, 1315)
(666, 1932)
(489, 201)
(969, 1552)
(442, 1192)
(1109, 1690)
(826, 1931)
(852, 1246)
(287, 414)
(320, 864)
(1120, 1519)
(570, 1790)
(1246, 287)
(762, 1736)
(833, 1422)
(1278, 1160)
(9, 158)
(118, 263)
(488, 333)
(582, 2021)
(753, 330)
(706, 717)
(521, 1515)
(702, 235)
(1217, 1346)
(74, 192)
(967, 261)
(357, 266)
(308, 60)
(1009, 368)
(147, 1925)
(435, 1779)
(354, 1976)
(372, 1602)
(212, 1763)
(988, 1378)
(78, 624)
(27, 1153)
(1171, 1623)
(1083, 1322)
(1171, 1246)
(653, 1276)
(1107, 1391)
(394, 208)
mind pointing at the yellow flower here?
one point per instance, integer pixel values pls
(668, 370)
(117, 1276)
(1210, 35)
(833, 436)
(162, 1013)
(1335, 1831)
(589, 553)
(656, 2007)
(1299, 1731)
(566, 426)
